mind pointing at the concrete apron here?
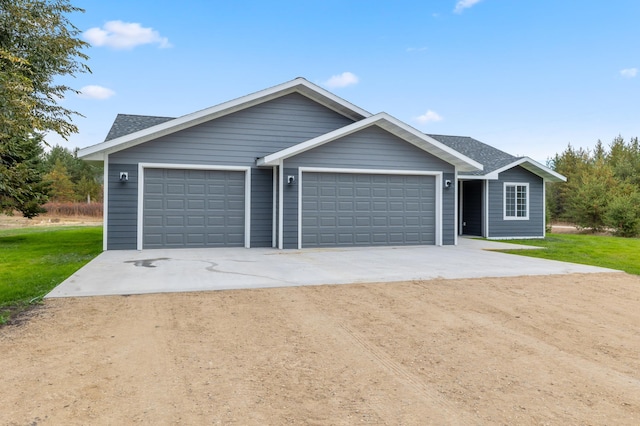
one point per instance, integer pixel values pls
(124, 272)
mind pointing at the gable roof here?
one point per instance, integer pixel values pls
(494, 160)
(491, 158)
(298, 85)
(390, 124)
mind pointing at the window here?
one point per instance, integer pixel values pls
(516, 201)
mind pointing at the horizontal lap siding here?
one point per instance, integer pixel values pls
(237, 140)
(261, 207)
(122, 207)
(370, 148)
(500, 228)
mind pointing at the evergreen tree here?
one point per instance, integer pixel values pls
(38, 44)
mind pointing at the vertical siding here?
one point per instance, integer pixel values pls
(236, 139)
(534, 226)
(122, 208)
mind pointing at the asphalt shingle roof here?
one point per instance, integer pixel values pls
(491, 158)
(125, 124)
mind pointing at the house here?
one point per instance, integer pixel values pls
(295, 166)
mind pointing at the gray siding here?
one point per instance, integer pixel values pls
(239, 138)
(261, 207)
(448, 211)
(500, 228)
(122, 208)
(236, 139)
(290, 201)
(370, 148)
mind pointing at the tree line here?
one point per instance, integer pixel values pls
(602, 189)
(38, 46)
(69, 178)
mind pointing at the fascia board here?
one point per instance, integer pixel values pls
(388, 123)
(432, 146)
(310, 90)
(532, 166)
(276, 157)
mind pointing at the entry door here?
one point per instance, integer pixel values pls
(472, 207)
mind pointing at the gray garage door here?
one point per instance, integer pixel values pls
(345, 209)
(193, 208)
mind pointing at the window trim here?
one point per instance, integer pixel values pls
(504, 201)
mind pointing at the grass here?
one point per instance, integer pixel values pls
(608, 252)
(35, 260)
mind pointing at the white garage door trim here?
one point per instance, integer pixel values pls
(247, 192)
(438, 195)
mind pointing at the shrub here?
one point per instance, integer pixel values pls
(623, 214)
(74, 209)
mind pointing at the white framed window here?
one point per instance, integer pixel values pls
(516, 201)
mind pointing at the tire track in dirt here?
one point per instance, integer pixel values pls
(451, 410)
(443, 409)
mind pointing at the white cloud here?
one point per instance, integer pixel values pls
(342, 80)
(465, 4)
(124, 35)
(429, 117)
(416, 49)
(96, 92)
(629, 72)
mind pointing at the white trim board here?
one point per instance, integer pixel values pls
(438, 191)
(105, 202)
(247, 193)
(298, 85)
(391, 125)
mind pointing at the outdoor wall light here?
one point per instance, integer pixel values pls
(291, 179)
(447, 183)
(124, 176)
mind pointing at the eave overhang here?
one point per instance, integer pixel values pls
(388, 123)
(298, 85)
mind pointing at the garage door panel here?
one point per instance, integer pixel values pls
(196, 221)
(196, 189)
(372, 209)
(175, 204)
(193, 208)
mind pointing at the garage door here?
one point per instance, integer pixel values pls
(193, 208)
(346, 209)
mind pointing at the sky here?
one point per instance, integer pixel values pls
(526, 76)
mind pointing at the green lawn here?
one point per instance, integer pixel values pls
(608, 252)
(34, 260)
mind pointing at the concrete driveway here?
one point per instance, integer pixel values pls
(157, 271)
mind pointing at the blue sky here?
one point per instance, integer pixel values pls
(527, 77)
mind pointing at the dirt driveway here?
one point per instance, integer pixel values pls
(528, 350)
